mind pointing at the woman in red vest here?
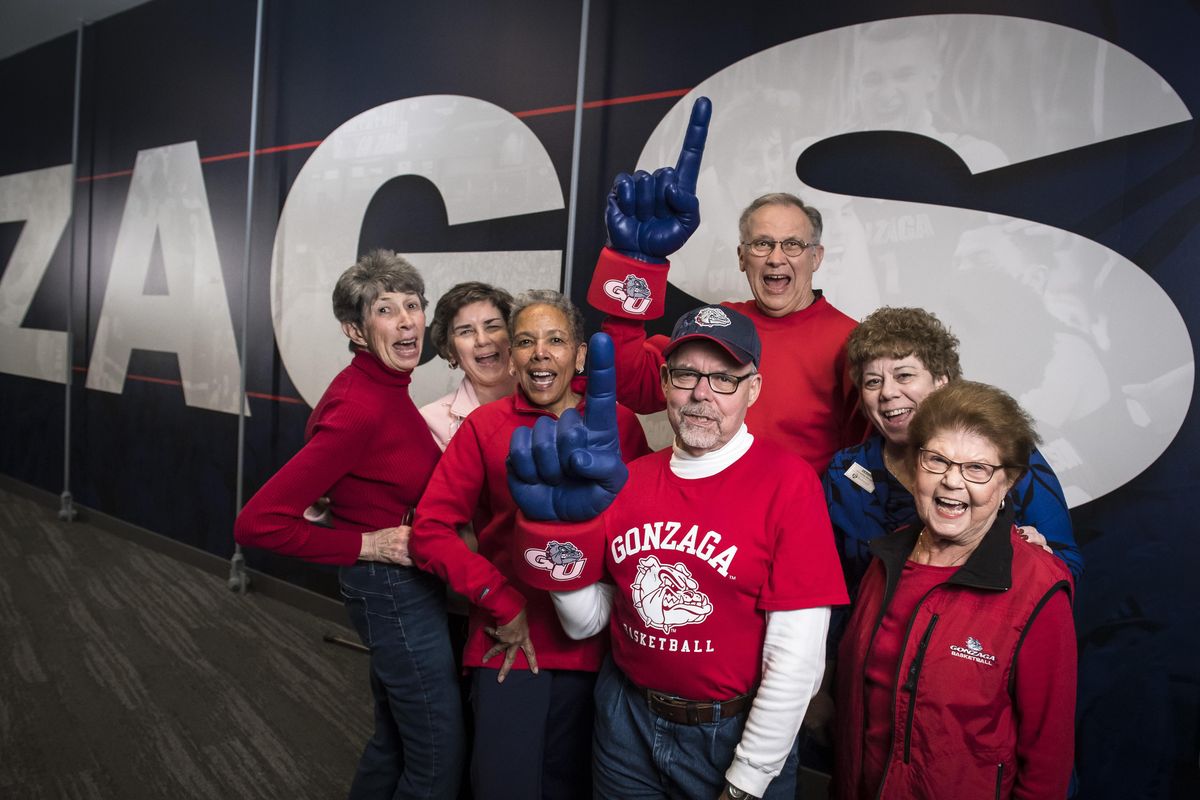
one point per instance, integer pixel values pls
(956, 674)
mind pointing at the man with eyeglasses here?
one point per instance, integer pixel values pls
(720, 571)
(810, 405)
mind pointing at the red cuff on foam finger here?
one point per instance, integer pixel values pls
(625, 287)
(558, 556)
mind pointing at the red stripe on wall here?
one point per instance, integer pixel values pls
(614, 101)
(171, 382)
(536, 112)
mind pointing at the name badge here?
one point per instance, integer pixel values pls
(861, 476)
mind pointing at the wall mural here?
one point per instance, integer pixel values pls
(1033, 178)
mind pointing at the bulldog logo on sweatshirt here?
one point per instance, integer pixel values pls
(667, 596)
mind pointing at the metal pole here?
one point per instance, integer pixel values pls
(575, 148)
(66, 508)
(239, 580)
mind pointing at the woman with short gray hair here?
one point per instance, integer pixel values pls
(369, 452)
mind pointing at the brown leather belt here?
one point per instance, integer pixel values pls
(690, 712)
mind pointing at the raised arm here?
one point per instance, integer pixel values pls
(648, 217)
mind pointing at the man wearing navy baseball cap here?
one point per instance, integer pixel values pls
(719, 570)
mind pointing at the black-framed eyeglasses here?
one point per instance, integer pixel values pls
(719, 382)
(791, 247)
(972, 471)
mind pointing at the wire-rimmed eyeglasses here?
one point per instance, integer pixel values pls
(791, 247)
(972, 471)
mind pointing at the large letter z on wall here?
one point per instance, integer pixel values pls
(42, 199)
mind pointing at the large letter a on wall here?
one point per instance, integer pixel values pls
(167, 199)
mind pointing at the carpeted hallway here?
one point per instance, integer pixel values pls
(127, 674)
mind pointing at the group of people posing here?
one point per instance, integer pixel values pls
(845, 534)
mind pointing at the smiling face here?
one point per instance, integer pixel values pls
(955, 510)
(479, 341)
(891, 390)
(781, 284)
(703, 420)
(393, 330)
(545, 357)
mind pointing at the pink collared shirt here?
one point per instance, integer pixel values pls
(444, 415)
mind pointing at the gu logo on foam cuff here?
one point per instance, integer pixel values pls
(712, 318)
(563, 560)
(668, 597)
(633, 292)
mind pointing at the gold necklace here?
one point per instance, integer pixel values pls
(890, 464)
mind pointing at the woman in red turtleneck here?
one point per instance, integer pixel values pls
(370, 453)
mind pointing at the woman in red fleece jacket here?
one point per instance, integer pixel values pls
(370, 453)
(533, 731)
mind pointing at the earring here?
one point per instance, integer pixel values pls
(452, 364)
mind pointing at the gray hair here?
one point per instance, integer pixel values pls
(375, 273)
(554, 299)
(780, 199)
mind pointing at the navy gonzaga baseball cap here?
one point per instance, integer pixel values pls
(730, 329)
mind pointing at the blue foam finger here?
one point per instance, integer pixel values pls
(687, 168)
(545, 452)
(520, 455)
(600, 397)
(644, 193)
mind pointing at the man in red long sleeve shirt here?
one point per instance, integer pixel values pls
(810, 406)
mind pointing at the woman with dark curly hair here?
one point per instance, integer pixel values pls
(470, 330)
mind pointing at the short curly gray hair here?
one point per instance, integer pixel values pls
(375, 273)
(548, 297)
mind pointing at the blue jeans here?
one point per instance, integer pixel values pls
(637, 754)
(417, 749)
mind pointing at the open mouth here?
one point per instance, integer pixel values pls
(406, 348)
(542, 379)
(897, 415)
(950, 508)
(491, 359)
(777, 283)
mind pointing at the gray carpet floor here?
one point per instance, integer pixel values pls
(127, 674)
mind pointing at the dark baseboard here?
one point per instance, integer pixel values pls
(261, 583)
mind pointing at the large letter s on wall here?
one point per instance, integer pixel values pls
(485, 163)
(1087, 341)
